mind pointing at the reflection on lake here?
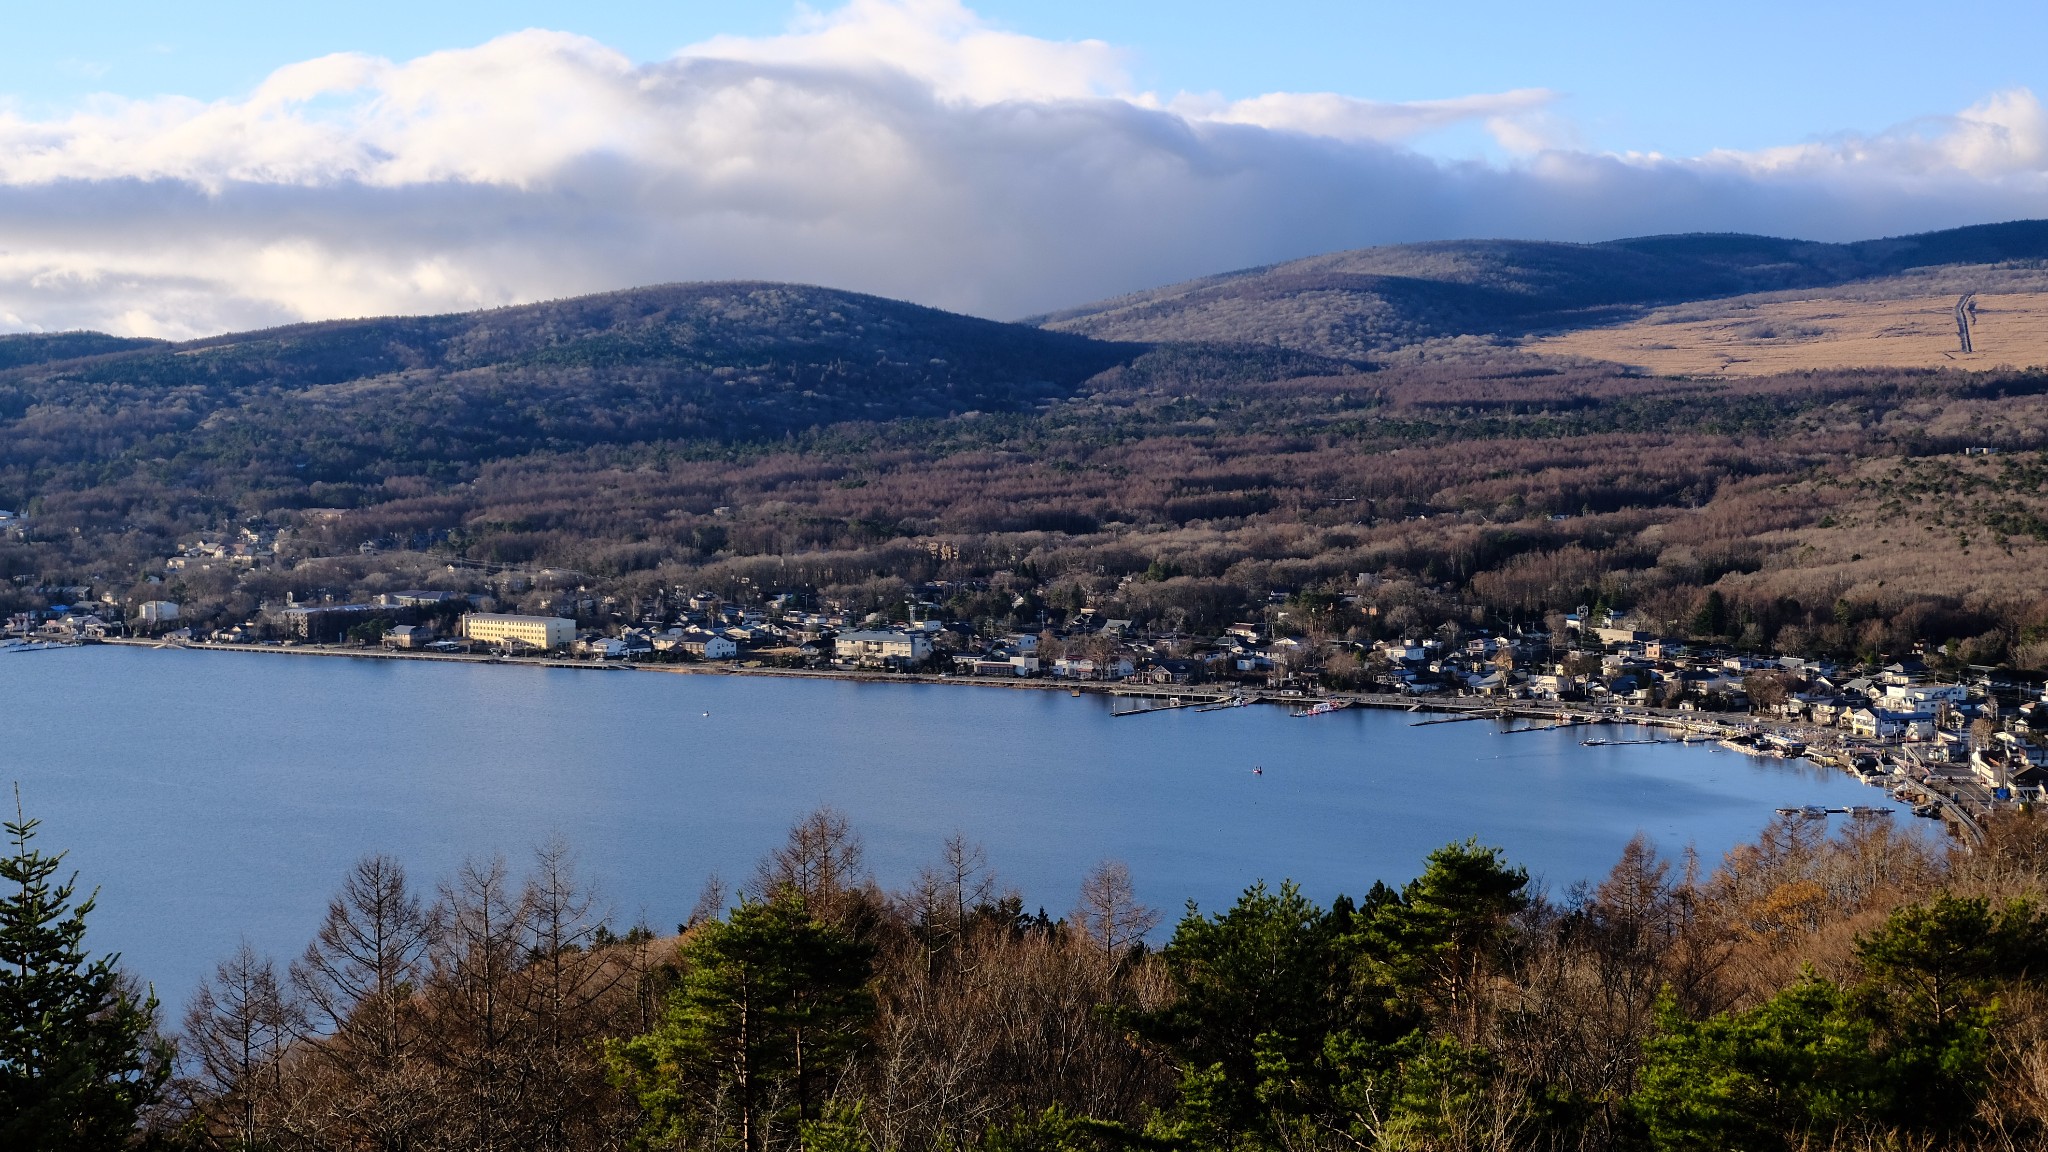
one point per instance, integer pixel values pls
(215, 797)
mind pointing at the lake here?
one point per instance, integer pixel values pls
(215, 797)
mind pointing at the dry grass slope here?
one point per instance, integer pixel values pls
(1760, 336)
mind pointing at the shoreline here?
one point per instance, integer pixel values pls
(1696, 724)
(1827, 747)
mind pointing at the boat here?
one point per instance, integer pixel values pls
(1860, 811)
(1323, 708)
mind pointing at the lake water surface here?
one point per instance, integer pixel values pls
(215, 797)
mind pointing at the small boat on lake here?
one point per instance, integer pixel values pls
(1321, 709)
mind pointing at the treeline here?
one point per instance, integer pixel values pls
(1859, 991)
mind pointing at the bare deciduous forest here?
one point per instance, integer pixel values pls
(1865, 990)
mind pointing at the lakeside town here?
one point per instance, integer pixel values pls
(1953, 740)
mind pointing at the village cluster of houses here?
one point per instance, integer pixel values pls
(1597, 660)
(240, 548)
(1623, 666)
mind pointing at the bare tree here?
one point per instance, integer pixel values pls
(945, 896)
(237, 1032)
(359, 977)
(479, 1037)
(571, 990)
(822, 862)
(822, 856)
(1109, 911)
(710, 903)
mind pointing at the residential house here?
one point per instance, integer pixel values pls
(408, 636)
(1108, 668)
(1885, 724)
(1925, 697)
(707, 645)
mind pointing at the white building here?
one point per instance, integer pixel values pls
(1080, 668)
(1923, 697)
(155, 612)
(881, 649)
(707, 645)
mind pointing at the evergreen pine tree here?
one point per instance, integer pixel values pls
(79, 1054)
(772, 1003)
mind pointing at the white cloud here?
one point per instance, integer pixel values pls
(2004, 135)
(941, 43)
(905, 148)
(1349, 118)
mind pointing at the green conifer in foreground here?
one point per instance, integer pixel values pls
(79, 1054)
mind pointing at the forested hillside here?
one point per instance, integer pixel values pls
(19, 349)
(254, 418)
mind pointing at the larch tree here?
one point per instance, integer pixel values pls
(1109, 911)
(360, 976)
(237, 1033)
(480, 1042)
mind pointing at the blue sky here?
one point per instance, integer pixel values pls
(176, 170)
(1675, 78)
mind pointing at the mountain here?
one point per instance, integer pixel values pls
(684, 362)
(1359, 303)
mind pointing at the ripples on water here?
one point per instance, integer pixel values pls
(217, 796)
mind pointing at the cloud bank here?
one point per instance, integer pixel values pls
(902, 147)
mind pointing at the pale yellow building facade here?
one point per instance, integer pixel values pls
(531, 631)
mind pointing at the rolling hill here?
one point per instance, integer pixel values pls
(1362, 303)
(335, 401)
